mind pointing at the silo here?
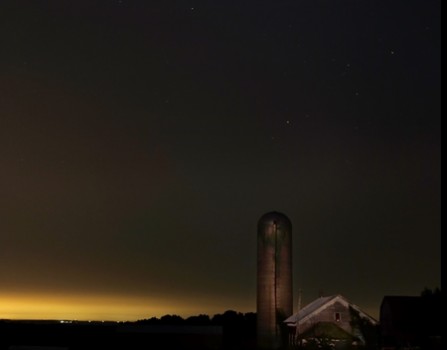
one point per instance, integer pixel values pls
(274, 289)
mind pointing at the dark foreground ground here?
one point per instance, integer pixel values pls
(43, 335)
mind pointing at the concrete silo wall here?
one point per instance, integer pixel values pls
(274, 289)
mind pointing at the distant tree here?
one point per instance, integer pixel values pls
(364, 330)
(171, 320)
(429, 293)
(151, 321)
(432, 306)
(250, 322)
(199, 320)
(229, 317)
(239, 329)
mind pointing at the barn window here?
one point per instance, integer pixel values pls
(337, 317)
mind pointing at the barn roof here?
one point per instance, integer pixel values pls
(319, 305)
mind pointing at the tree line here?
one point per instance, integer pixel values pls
(228, 318)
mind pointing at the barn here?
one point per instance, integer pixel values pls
(331, 319)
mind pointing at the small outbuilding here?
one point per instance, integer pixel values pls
(409, 322)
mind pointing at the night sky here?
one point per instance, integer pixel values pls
(141, 141)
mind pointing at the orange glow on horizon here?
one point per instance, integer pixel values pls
(77, 308)
(99, 308)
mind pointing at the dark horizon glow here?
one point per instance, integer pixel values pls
(140, 143)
